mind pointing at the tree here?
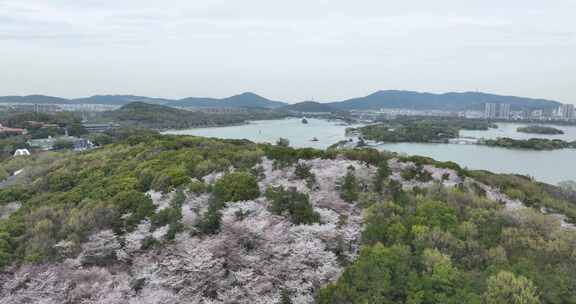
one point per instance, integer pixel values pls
(349, 187)
(285, 297)
(211, 219)
(436, 214)
(381, 175)
(63, 144)
(283, 142)
(135, 203)
(294, 203)
(380, 275)
(302, 171)
(236, 186)
(505, 287)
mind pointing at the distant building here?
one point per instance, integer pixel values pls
(490, 110)
(16, 131)
(82, 144)
(99, 128)
(537, 114)
(567, 111)
(44, 144)
(22, 152)
(504, 111)
(471, 114)
(518, 115)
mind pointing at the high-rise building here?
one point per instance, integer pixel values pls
(490, 110)
(567, 112)
(504, 112)
(537, 114)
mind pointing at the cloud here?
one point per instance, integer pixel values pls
(240, 45)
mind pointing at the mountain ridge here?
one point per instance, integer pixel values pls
(308, 106)
(450, 101)
(445, 101)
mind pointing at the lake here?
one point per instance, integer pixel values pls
(547, 166)
(268, 131)
(509, 130)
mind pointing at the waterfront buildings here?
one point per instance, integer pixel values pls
(15, 131)
(567, 112)
(495, 110)
(490, 110)
(504, 111)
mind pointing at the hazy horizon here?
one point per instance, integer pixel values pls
(288, 51)
(273, 99)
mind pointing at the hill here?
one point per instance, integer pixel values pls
(447, 101)
(308, 106)
(119, 100)
(378, 100)
(36, 99)
(182, 219)
(139, 114)
(244, 100)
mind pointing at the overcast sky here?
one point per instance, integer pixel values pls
(287, 50)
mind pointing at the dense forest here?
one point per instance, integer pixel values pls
(42, 125)
(531, 144)
(175, 219)
(139, 114)
(540, 130)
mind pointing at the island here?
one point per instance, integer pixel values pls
(540, 130)
(419, 129)
(532, 143)
(444, 130)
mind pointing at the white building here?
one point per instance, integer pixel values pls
(567, 111)
(22, 152)
(494, 110)
(537, 114)
(490, 110)
(504, 112)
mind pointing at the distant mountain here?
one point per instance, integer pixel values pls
(119, 100)
(447, 101)
(308, 106)
(37, 99)
(380, 99)
(244, 100)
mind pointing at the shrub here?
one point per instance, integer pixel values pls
(136, 203)
(293, 203)
(197, 186)
(349, 186)
(236, 186)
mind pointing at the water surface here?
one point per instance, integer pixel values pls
(509, 130)
(547, 166)
(268, 131)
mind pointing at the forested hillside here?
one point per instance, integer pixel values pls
(139, 114)
(168, 219)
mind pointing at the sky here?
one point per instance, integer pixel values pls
(323, 50)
